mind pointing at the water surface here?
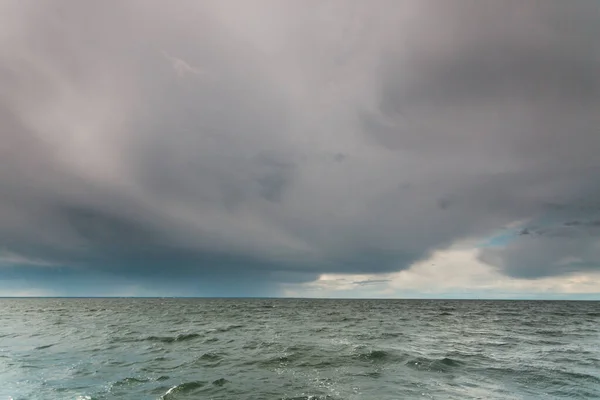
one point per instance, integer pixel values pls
(298, 349)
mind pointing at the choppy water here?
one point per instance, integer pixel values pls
(298, 349)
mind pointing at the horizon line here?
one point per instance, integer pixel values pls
(296, 298)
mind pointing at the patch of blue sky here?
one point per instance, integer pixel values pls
(499, 240)
(542, 222)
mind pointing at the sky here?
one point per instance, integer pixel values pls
(331, 148)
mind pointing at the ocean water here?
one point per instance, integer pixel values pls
(298, 349)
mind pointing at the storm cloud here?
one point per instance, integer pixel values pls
(227, 148)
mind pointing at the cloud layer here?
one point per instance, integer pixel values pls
(455, 272)
(234, 148)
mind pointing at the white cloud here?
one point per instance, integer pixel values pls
(450, 272)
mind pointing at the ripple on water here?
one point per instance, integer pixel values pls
(380, 356)
(220, 382)
(184, 388)
(172, 339)
(46, 346)
(190, 388)
(227, 328)
(210, 356)
(130, 381)
(445, 364)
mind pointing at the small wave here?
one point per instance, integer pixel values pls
(449, 362)
(375, 355)
(298, 348)
(208, 360)
(220, 382)
(593, 314)
(549, 333)
(44, 347)
(319, 362)
(210, 357)
(386, 335)
(172, 339)
(578, 376)
(183, 388)
(498, 343)
(130, 381)
(275, 361)
(378, 356)
(370, 374)
(552, 379)
(445, 364)
(228, 328)
(545, 342)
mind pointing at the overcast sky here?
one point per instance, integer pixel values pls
(343, 148)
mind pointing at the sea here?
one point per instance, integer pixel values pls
(297, 349)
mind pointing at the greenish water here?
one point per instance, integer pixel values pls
(298, 349)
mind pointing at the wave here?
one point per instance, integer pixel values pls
(43, 347)
(381, 356)
(182, 337)
(593, 314)
(130, 381)
(553, 380)
(578, 376)
(183, 388)
(220, 382)
(210, 357)
(226, 328)
(274, 361)
(189, 387)
(374, 355)
(207, 360)
(390, 335)
(445, 364)
(172, 339)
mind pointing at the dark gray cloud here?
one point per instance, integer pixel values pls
(204, 144)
